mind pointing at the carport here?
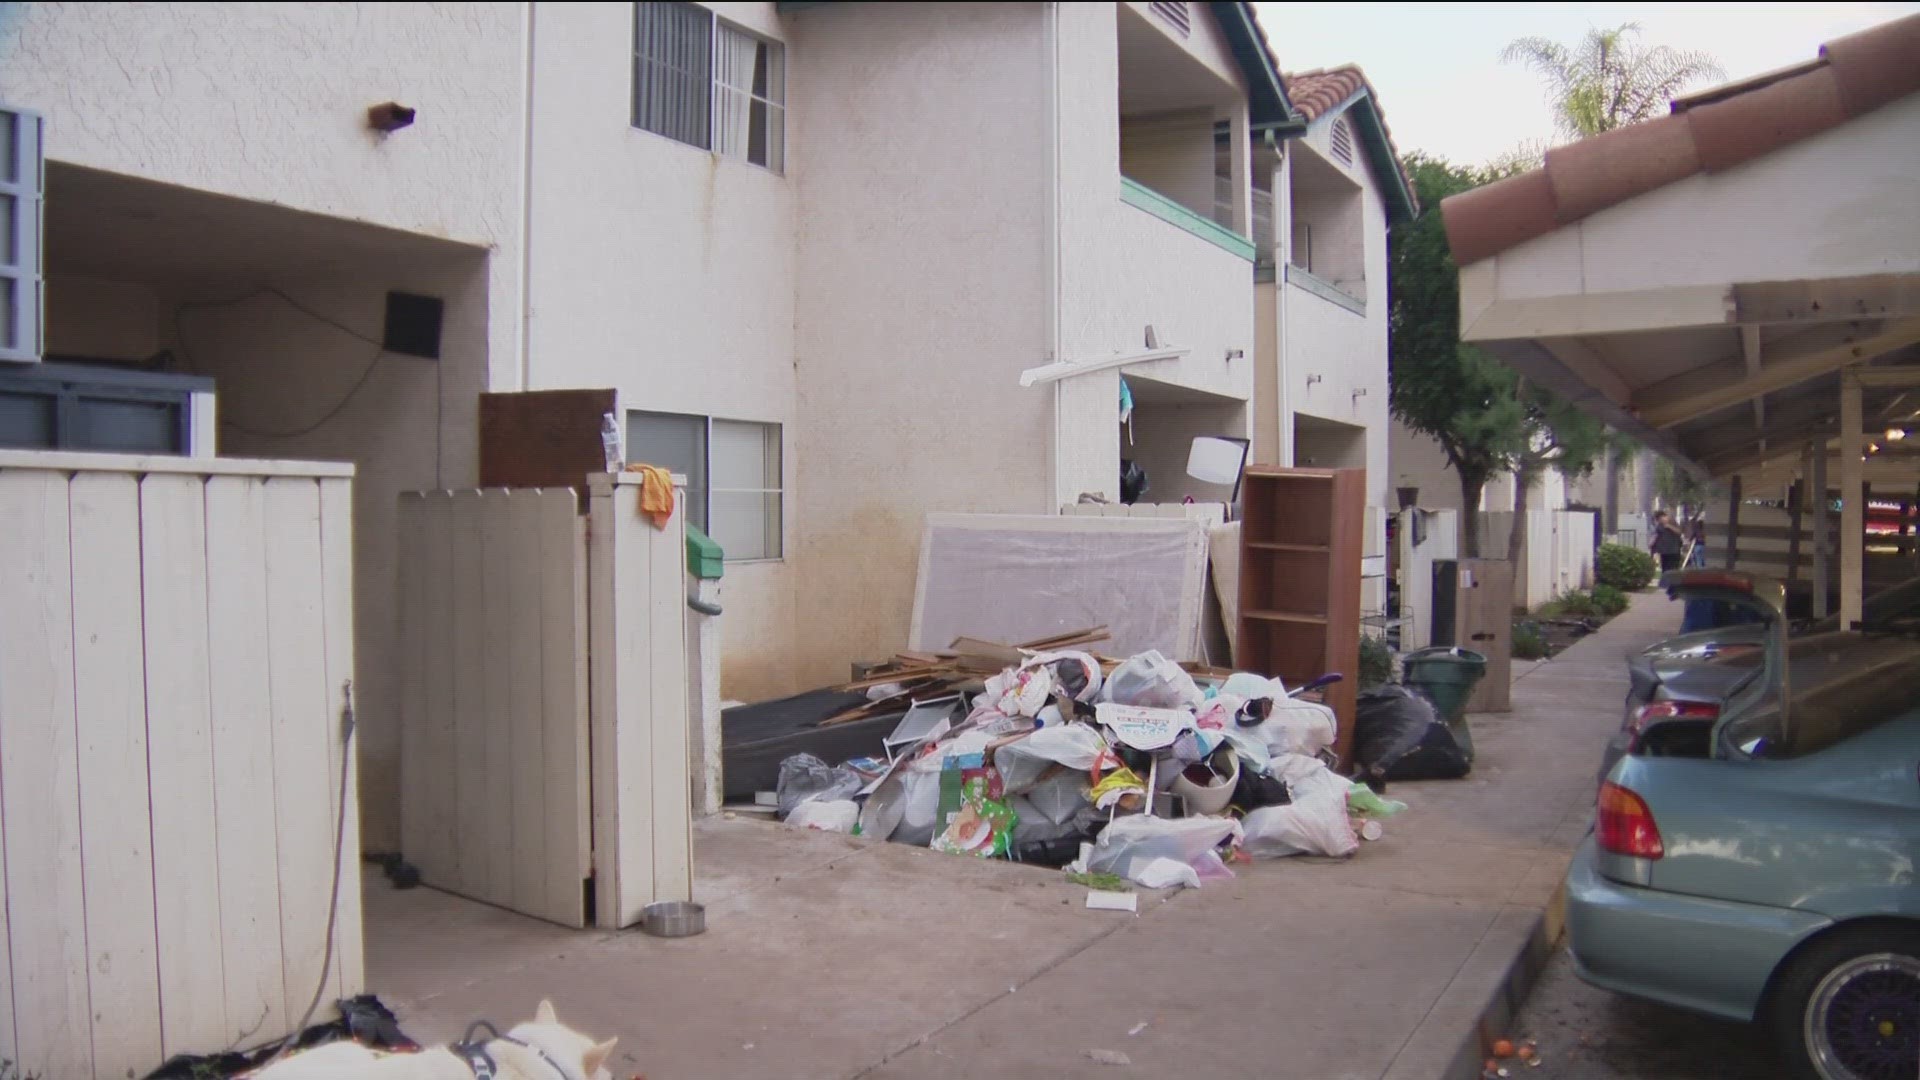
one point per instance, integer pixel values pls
(1737, 284)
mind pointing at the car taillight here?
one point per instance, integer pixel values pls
(1666, 710)
(1625, 826)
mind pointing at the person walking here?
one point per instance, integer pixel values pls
(1667, 544)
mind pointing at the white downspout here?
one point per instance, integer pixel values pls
(525, 290)
(1282, 256)
(1053, 236)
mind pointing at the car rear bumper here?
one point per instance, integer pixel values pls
(1710, 956)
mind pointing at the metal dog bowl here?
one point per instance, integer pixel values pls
(673, 918)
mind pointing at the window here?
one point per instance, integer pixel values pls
(733, 471)
(709, 84)
(22, 182)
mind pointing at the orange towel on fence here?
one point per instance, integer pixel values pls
(656, 493)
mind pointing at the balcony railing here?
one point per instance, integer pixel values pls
(1136, 194)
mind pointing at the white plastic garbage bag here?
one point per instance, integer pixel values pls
(827, 815)
(1165, 873)
(1059, 797)
(1021, 691)
(1245, 685)
(1087, 668)
(1297, 727)
(1130, 846)
(1021, 763)
(1315, 823)
(1154, 681)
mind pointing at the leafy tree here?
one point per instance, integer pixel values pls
(1609, 79)
(1677, 487)
(1558, 437)
(1437, 384)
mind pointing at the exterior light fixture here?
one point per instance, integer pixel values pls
(1895, 434)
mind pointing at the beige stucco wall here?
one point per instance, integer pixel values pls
(267, 102)
(922, 293)
(1336, 358)
(1123, 269)
(667, 272)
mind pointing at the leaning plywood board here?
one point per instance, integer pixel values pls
(1005, 577)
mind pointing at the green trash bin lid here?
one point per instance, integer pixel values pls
(1444, 664)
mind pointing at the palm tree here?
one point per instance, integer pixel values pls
(1607, 81)
(1610, 80)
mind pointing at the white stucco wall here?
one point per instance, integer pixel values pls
(267, 102)
(667, 272)
(1336, 358)
(1715, 229)
(919, 162)
(1123, 269)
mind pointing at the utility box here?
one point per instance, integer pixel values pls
(1473, 609)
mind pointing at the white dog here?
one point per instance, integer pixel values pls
(544, 1049)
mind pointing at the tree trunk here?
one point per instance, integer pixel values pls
(1610, 505)
(1470, 487)
(1517, 534)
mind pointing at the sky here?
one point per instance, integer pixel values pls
(1443, 89)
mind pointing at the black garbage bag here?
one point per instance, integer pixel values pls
(1397, 735)
(363, 1019)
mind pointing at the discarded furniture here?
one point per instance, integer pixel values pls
(1300, 548)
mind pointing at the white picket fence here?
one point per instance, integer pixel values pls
(175, 646)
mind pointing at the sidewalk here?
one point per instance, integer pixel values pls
(827, 956)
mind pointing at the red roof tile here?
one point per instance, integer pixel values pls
(1318, 92)
(1707, 132)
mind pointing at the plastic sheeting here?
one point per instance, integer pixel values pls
(1014, 578)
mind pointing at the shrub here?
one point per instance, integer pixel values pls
(1570, 605)
(1376, 662)
(1624, 568)
(1528, 642)
(1609, 600)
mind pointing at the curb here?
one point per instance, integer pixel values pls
(1480, 1006)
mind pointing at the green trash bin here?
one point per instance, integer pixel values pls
(1446, 676)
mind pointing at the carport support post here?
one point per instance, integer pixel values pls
(1796, 501)
(1817, 491)
(1733, 522)
(1853, 523)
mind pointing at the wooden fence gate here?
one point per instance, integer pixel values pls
(501, 799)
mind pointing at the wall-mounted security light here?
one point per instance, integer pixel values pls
(389, 116)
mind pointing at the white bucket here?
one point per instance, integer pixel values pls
(1215, 461)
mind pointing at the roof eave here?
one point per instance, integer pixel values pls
(1268, 107)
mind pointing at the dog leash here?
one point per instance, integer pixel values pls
(474, 1052)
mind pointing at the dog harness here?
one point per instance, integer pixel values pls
(473, 1051)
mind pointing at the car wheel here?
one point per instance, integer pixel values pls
(1848, 1007)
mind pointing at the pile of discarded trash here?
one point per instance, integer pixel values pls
(1142, 772)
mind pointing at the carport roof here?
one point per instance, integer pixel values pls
(1699, 281)
(1706, 132)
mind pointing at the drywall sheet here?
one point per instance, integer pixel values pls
(1014, 578)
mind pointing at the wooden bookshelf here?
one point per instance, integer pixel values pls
(1301, 537)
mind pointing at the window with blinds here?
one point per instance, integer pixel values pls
(709, 84)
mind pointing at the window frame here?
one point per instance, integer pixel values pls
(778, 431)
(715, 87)
(23, 267)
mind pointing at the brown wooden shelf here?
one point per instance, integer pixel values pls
(1288, 616)
(1272, 545)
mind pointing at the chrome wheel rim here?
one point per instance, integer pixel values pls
(1863, 1021)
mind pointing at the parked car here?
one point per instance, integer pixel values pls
(1685, 677)
(1758, 864)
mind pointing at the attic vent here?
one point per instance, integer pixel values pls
(1175, 12)
(1340, 141)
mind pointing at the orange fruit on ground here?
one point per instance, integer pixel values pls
(1502, 1048)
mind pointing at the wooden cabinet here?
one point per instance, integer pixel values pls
(1301, 536)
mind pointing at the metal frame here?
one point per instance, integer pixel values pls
(22, 266)
(71, 386)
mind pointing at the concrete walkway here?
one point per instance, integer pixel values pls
(827, 956)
